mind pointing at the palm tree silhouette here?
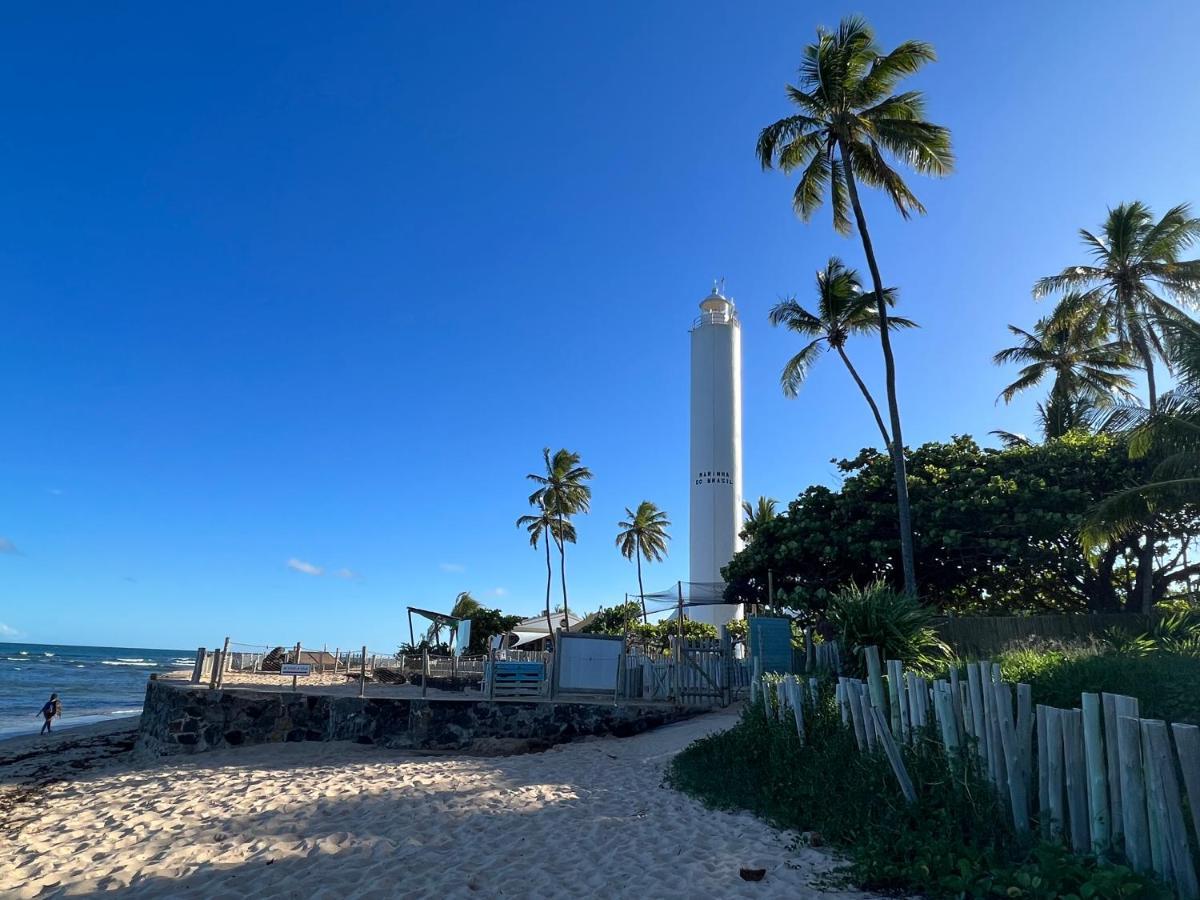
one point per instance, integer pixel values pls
(643, 535)
(563, 492)
(843, 310)
(848, 119)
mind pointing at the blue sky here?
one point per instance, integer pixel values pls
(314, 283)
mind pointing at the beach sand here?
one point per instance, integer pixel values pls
(340, 820)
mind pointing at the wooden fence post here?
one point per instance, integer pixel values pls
(1097, 771)
(224, 663)
(1076, 777)
(425, 670)
(979, 715)
(198, 668)
(893, 755)
(1116, 818)
(1187, 745)
(1043, 766)
(1054, 767)
(895, 687)
(1018, 798)
(1133, 794)
(362, 675)
(875, 678)
(1160, 769)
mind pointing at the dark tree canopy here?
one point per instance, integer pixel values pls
(995, 531)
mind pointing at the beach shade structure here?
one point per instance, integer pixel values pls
(530, 631)
(458, 630)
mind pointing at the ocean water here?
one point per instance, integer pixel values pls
(95, 684)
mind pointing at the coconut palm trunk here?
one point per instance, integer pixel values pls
(887, 441)
(562, 571)
(549, 584)
(641, 590)
(1144, 583)
(897, 445)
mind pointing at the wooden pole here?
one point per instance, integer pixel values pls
(1133, 794)
(224, 663)
(1160, 769)
(771, 590)
(424, 670)
(1076, 780)
(975, 688)
(679, 587)
(324, 653)
(1043, 756)
(893, 756)
(1054, 755)
(198, 668)
(1116, 818)
(337, 652)
(875, 679)
(1187, 745)
(895, 679)
(362, 675)
(1097, 771)
(1025, 734)
(1018, 798)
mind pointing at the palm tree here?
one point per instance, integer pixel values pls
(1086, 366)
(563, 491)
(1136, 266)
(546, 526)
(643, 535)
(1172, 434)
(842, 310)
(849, 118)
(755, 516)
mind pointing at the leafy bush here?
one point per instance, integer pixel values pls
(953, 842)
(1166, 684)
(900, 626)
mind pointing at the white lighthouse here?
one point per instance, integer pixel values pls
(716, 457)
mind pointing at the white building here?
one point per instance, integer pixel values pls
(716, 456)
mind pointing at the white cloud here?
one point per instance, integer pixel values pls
(452, 567)
(348, 574)
(8, 631)
(307, 568)
(499, 592)
(7, 546)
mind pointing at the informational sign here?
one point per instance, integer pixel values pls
(295, 669)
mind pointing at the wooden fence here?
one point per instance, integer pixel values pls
(1103, 779)
(985, 635)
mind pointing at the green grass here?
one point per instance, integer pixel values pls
(955, 841)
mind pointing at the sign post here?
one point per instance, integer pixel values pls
(296, 670)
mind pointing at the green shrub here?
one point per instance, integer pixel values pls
(899, 625)
(955, 841)
(1167, 685)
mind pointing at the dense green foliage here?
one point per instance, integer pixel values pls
(879, 616)
(953, 842)
(998, 531)
(1167, 685)
(485, 624)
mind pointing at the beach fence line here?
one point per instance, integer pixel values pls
(985, 635)
(360, 664)
(1098, 778)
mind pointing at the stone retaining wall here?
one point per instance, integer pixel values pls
(177, 719)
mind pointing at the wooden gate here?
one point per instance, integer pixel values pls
(701, 672)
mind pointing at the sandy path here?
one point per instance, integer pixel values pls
(340, 820)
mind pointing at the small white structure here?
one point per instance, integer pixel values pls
(535, 628)
(716, 455)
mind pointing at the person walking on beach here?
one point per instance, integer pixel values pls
(52, 708)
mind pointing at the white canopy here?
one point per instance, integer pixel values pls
(534, 629)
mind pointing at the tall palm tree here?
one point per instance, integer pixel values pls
(547, 527)
(1076, 350)
(1136, 267)
(849, 119)
(643, 535)
(564, 492)
(843, 310)
(756, 515)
